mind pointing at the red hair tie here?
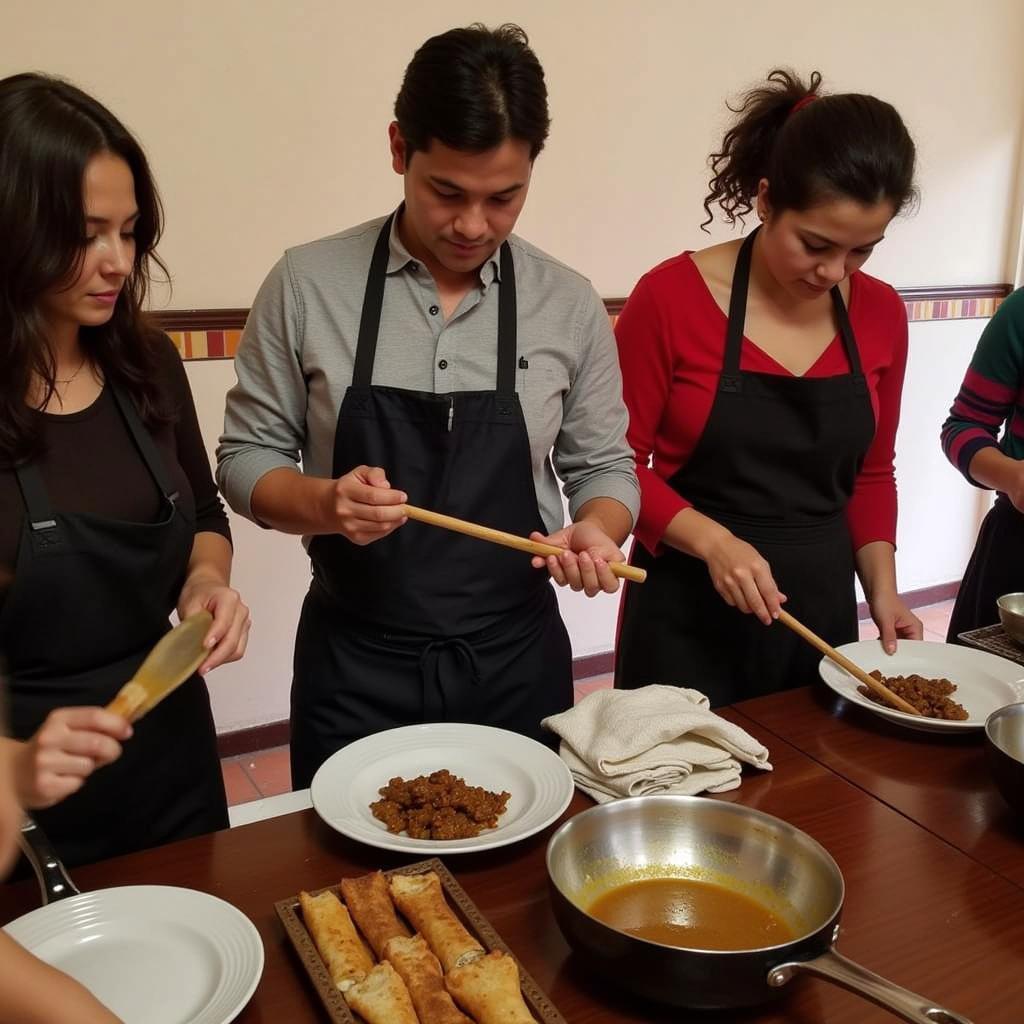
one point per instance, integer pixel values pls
(801, 103)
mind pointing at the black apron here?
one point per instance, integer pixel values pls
(426, 625)
(996, 568)
(90, 598)
(776, 465)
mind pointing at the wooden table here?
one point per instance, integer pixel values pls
(941, 782)
(917, 909)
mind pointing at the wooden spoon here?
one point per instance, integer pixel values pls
(510, 540)
(843, 662)
(173, 660)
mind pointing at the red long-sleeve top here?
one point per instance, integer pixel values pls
(671, 338)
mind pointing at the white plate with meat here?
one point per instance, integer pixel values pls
(984, 682)
(537, 780)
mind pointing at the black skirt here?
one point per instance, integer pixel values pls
(996, 568)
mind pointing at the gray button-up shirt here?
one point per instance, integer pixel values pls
(297, 353)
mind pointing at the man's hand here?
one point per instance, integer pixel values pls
(363, 506)
(584, 563)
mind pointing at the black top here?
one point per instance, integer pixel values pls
(90, 464)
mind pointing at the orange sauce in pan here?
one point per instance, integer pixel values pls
(690, 914)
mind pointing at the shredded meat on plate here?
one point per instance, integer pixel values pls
(930, 696)
(438, 806)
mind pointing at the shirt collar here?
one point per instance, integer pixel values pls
(399, 258)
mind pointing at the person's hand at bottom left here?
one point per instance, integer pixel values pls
(64, 751)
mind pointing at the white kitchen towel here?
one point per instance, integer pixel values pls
(656, 739)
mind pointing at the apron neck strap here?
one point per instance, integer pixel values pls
(846, 330)
(373, 304)
(506, 382)
(738, 316)
(144, 443)
(737, 312)
(39, 511)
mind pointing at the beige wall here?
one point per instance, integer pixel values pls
(265, 123)
(1016, 251)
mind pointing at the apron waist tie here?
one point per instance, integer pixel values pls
(446, 667)
(783, 531)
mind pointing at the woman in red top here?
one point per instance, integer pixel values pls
(763, 379)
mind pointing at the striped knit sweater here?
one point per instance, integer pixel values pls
(992, 394)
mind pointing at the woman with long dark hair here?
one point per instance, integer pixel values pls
(763, 378)
(109, 518)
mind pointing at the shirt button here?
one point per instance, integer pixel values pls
(414, 267)
(443, 364)
(434, 310)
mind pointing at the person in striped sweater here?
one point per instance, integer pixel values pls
(991, 399)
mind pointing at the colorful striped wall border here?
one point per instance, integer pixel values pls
(952, 309)
(206, 344)
(215, 333)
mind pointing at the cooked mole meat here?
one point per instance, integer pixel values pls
(438, 806)
(930, 696)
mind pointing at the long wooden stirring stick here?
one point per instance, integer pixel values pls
(510, 540)
(842, 661)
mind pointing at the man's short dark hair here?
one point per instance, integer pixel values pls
(473, 88)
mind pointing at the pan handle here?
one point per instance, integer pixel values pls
(834, 967)
(54, 883)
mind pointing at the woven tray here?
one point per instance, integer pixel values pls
(995, 640)
(338, 1011)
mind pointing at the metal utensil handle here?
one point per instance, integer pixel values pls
(834, 967)
(54, 882)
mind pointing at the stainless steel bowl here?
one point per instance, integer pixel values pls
(746, 850)
(1004, 742)
(1011, 615)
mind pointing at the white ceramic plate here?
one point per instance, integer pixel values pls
(538, 781)
(984, 682)
(153, 954)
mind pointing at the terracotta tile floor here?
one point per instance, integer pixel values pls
(266, 773)
(259, 774)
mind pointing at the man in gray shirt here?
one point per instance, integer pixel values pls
(434, 358)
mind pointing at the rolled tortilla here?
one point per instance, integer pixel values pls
(336, 938)
(421, 972)
(382, 998)
(488, 990)
(369, 903)
(421, 899)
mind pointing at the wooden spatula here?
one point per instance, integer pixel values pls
(883, 691)
(510, 540)
(175, 657)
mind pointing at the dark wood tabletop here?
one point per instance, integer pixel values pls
(941, 782)
(918, 910)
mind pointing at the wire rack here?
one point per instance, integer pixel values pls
(995, 640)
